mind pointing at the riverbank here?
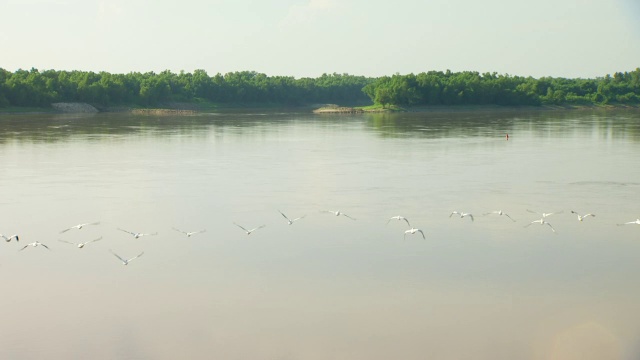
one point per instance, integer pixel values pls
(197, 108)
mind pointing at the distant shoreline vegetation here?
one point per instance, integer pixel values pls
(105, 91)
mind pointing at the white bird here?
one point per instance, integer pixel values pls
(289, 221)
(34, 244)
(137, 235)
(7, 239)
(541, 222)
(544, 215)
(189, 233)
(499, 212)
(637, 222)
(462, 214)
(126, 262)
(338, 213)
(79, 226)
(250, 231)
(398, 217)
(413, 231)
(81, 245)
(581, 217)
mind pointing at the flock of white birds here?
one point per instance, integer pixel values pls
(290, 221)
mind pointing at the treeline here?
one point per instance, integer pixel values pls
(36, 88)
(473, 88)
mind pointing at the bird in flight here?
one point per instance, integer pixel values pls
(137, 235)
(541, 222)
(250, 231)
(189, 233)
(413, 231)
(499, 212)
(7, 239)
(289, 221)
(398, 217)
(338, 213)
(79, 226)
(544, 215)
(636, 222)
(126, 262)
(34, 244)
(80, 245)
(462, 214)
(581, 217)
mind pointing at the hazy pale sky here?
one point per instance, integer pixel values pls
(306, 38)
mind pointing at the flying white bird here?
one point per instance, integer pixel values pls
(338, 213)
(581, 217)
(462, 214)
(79, 226)
(126, 262)
(499, 212)
(541, 222)
(398, 217)
(544, 215)
(34, 244)
(413, 231)
(289, 221)
(189, 233)
(637, 222)
(81, 245)
(7, 239)
(137, 235)
(250, 231)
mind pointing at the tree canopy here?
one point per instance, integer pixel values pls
(41, 88)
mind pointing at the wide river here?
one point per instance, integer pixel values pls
(325, 287)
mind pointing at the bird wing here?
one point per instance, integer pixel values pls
(65, 241)
(241, 227)
(45, 246)
(180, 231)
(348, 216)
(23, 248)
(65, 230)
(554, 230)
(453, 212)
(259, 227)
(118, 256)
(4, 237)
(285, 216)
(94, 240)
(471, 216)
(298, 218)
(422, 234)
(531, 211)
(405, 219)
(135, 257)
(507, 215)
(594, 215)
(127, 231)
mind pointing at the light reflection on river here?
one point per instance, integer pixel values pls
(325, 287)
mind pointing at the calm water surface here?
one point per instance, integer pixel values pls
(325, 287)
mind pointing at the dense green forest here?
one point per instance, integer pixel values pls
(41, 88)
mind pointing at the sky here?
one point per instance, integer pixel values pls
(306, 38)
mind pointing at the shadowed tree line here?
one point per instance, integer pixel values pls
(41, 88)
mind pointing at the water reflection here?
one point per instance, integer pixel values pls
(542, 124)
